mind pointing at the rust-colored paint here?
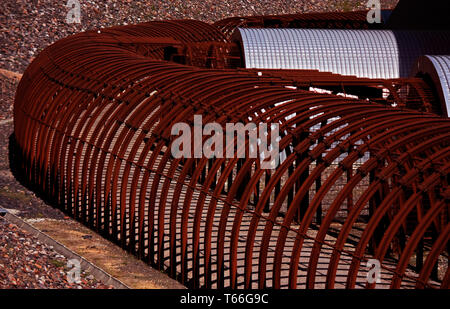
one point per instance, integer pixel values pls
(93, 115)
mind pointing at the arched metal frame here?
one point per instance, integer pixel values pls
(93, 117)
(328, 20)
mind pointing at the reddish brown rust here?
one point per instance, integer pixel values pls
(330, 20)
(93, 117)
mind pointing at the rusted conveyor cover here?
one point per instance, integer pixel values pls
(363, 53)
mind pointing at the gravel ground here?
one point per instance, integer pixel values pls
(27, 26)
(26, 263)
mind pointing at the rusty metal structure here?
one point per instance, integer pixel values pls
(364, 173)
(382, 54)
(337, 20)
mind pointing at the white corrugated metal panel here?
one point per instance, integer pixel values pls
(441, 66)
(363, 53)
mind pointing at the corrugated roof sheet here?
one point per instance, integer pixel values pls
(363, 53)
(440, 74)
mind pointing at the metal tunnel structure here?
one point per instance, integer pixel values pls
(363, 174)
(437, 69)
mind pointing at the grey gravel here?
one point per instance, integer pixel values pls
(27, 263)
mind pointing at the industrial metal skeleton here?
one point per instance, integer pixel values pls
(361, 179)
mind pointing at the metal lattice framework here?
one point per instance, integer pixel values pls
(359, 179)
